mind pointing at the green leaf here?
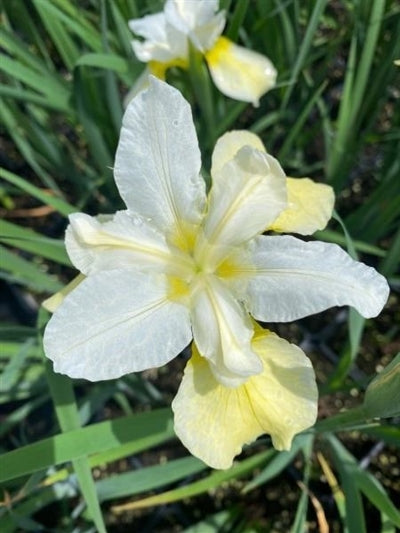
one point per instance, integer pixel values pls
(382, 397)
(12, 370)
(106, 61)
(344, 463)
(198, 487)
(355, 479)
(376, 494)
(152, 477)
(277, 463)
(60, 205)
(55, 91)
(30, 241)
(300, 522)
(141, 430)
(236, 19)
(303, 52)
(26, 273)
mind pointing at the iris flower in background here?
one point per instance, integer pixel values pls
(179, 264)
(237, 72)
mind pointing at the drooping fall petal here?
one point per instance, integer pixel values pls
(214, 422)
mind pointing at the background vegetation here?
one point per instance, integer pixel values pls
(74, 452)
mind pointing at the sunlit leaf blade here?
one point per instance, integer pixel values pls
(198, 487)
(150, 478)
(145, 429)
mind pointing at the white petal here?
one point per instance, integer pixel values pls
(290, 279)
(222, 331)
(240, 73)
(247, 194)
(126, 241)
(204, 37)
(214, 421)
(197, 20)
(158, 162)
(310, 206)
(228, 146)
(161, 41)
(114, 323)
(186, 16)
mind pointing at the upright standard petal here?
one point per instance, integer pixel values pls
(247, 194)
(289, 279)
(222, 331)
(214, 422)
(310, 207)
(310, 204)
(161, 41)
(114, 323)
(125, 241)
(157, 166)
(186, 16)
(228, 145)
(197, 20)
(240, 73)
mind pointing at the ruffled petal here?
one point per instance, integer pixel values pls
(126, 241)
(116, 322)
(310, 206)
(228, 145)
(288, 279)
(247, 194)
(240, 73)
(157, 166)
(222, 331)
(214, 422)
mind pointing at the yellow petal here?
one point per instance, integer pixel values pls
(284, 397)
(240, 73)
(53, 302)
(228, 146)
(310, 207)
(214, 421)
(211, 420)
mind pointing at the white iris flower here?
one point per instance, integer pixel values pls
(237, 72)
(177, 265)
